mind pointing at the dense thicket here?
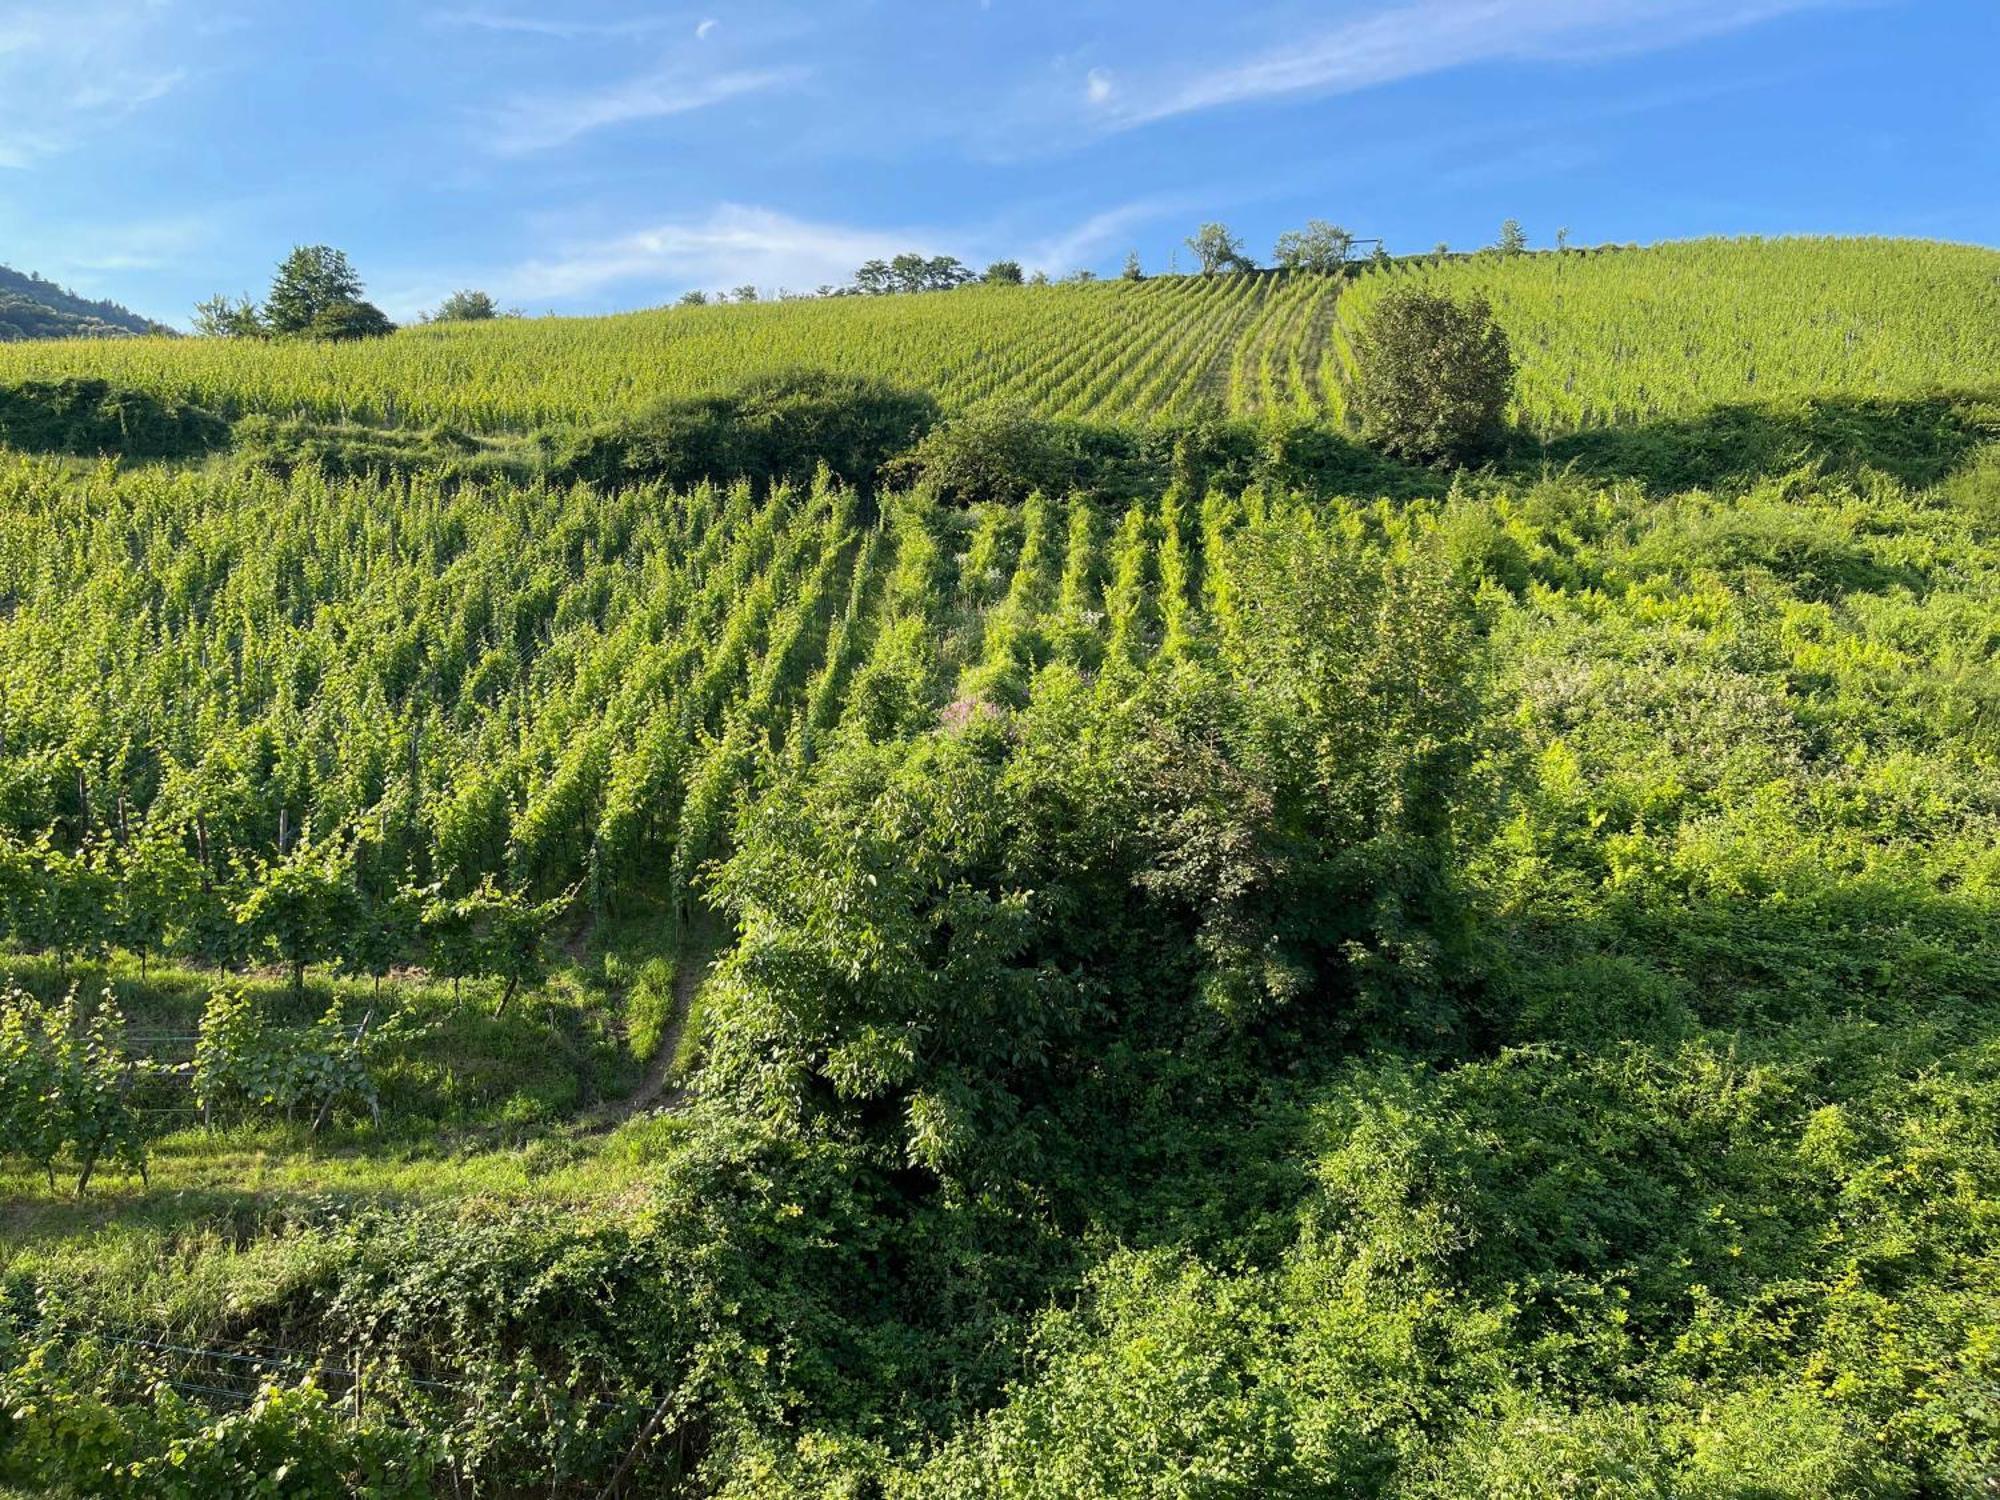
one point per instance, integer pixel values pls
(94, 417)
(781, 427)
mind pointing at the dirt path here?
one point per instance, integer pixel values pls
(699, 947)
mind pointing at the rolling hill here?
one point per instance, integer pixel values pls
(31, 308)
(1608, 336)
(1486, 985)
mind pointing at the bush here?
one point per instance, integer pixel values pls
(345, 321)
(1435, 377)
(996, 453)
(94, 417)
(777, 428)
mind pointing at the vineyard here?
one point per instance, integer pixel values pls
(1602, 336)
(749, 990)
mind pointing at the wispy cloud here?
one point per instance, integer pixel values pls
(730, 245)
(68, 71)
(1412, 40)
(545, 121)
(560, 28)
(1067, 249)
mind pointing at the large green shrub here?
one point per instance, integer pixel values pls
(94, 417)
(1434, 377)
(778, 428)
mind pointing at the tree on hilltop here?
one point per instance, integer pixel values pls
(466, 307)
(1320, 246)
(1003, 273)
(316, 294)
(312, 279)
(224, 317)
(1219, 250)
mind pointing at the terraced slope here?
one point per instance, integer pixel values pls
(1109, 350)
(546, 686)
(1673, 330)
(1603, 337)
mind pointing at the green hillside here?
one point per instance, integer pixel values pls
(1611, 335)
(32, 308)
(1485, 984)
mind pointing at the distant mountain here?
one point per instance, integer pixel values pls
(31, 308)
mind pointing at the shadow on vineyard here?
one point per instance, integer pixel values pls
(1916, 441)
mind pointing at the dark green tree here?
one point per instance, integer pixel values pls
(345, 321)
(310, 281)
(1003, 273)
(1434, 377)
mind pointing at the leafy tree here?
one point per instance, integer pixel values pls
(694, 297)
(223, 317)
(466, 307)
(875, 277)
(301, 906)
(1132, 271)
(1003, 273)
(1513, 240)
(312, 280)
(1218, 250)
(744, 293)
(1434, 376)
(942, 273)
(1379, 256)
(345, 321)
(1320, 246)
(909, 272)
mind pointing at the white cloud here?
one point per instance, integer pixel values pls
(704, 27)
(730, 245)
(68, 71)
(1059, 254)
(1428, 37)
(542, 122)
(735, 243)
(560, 28)
(1097, 86)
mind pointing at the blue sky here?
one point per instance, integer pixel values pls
(581, 157)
